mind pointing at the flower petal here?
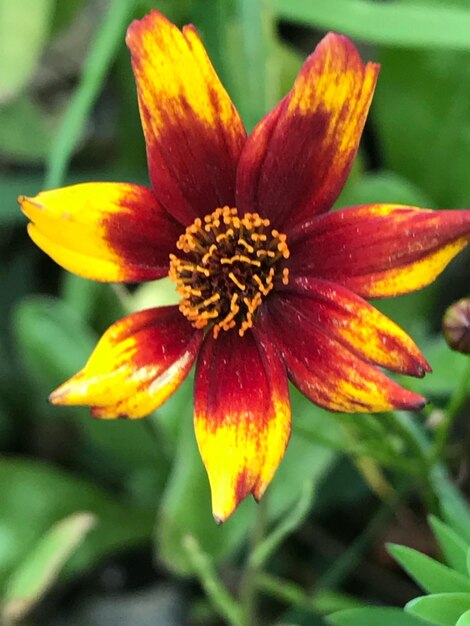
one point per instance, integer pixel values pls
(325, 370)
(193, 132)
(103, 231)
(297, 159)
(136, 366)
(356, 324)
(242, 416)
(379, 250)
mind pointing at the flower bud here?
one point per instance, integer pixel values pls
(456, 326)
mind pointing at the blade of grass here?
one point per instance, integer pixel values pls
(411, 25)
(286, 526)
(214, 28)
(260, 77)
(322, 602)
(103, 50)
(36, 574)
(220, 598)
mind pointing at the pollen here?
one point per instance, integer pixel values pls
(227, 265)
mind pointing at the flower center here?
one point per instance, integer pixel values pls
(229, 265)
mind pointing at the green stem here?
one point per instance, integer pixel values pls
(322, 602)
(124, 297)
(287, 591)
(257, 27)
(218, 595)
(248, 588)
(407, 431)
(457, 400)
(102, 53)
(286, 526)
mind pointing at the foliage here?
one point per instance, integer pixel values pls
(77, 494)
(448, 587)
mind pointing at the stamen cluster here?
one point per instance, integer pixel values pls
(229, 264)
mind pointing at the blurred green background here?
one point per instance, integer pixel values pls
(109, 522)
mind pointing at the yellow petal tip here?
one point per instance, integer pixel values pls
(22, 201)
(28, 205)
(221, 513)
(68, 393)
(58, 396)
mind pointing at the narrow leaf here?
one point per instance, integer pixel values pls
(102, 52)
(464, 619)
(24, 28)
(442, 609)
(413, 25)
(452, 545)
(454, 508)
(432, 576)
(375, 617)
(38, 571)
(286, 526)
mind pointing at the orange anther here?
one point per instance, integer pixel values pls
(218, 297)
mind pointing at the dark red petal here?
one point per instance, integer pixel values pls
(138, 363)
(356, 324)
(297, 159)
(242, 416)
(379, 250)
(325, 369)
(193, 132)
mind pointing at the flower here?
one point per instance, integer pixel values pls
(273, 287)
(456, 326)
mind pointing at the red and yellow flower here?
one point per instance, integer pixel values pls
(273, 287)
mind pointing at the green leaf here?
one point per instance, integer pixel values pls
(374, 617)
(256, 49)
(412, 25)
(464, 620)
(102, 52)
(52, 337)
(432, 576)
(382, 186)
(156, 293)
(34, 496)
(454, 507)
(442, 609)
(243, 39)
(41, 567)
(327, 601)
(24, 28)
(81, 295)
(452, 545)
(417, 140)
(447, 367)
(291, 521)
(25, 131)
(177, 12)
(64, 14)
